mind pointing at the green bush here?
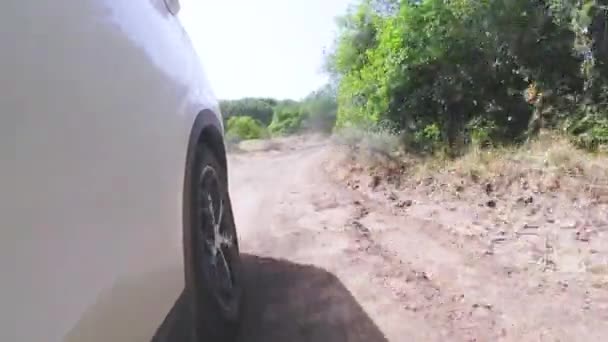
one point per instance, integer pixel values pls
(243, 128)
(462, 68)
(588, 126)
(259, 109)
(287, 119)
(321, 108)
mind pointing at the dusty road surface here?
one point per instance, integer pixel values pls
(309, 277)
(326, 262)
(329, 260)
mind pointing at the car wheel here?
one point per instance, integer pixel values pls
(214, 247)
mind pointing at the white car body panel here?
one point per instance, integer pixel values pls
(97, 104)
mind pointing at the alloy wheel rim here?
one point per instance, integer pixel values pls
(214, 239)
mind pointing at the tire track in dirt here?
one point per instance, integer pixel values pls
(479, 299)
(291, 211)
(406, 279)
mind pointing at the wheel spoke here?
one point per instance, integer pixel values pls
(226, 280)
(215, 239)
(220, 213)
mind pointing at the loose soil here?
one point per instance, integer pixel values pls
(333, 252)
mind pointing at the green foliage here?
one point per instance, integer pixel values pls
(589, 127)
(287, 119)
(260, 109)
(483, 132)
(316, 112)
(320, 108)
(244, 127)
(427, 140)
(446, 72)
(429, 135)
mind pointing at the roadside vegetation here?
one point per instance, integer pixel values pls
(488, 119)
(244, 128)
(473, 137)
(316, 112)
(454, 81)
(451, 74)
(481, 87)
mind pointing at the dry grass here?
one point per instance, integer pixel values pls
(382, 141)
(550, 154)
(548, 163)
(539, 209)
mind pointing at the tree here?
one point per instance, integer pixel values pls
(260, 109)
(244, 127)
(287, 119)
(320, 107)
(465, 66)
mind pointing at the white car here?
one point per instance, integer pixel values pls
(113, 180)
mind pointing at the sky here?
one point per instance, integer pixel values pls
(262, 48)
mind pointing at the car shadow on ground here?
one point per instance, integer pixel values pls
(287, 302)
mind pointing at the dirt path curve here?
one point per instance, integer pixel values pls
(311, 275)
(327, 263)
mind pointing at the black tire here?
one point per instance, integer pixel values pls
(212, 278)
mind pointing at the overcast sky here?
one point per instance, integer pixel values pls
(271, 48)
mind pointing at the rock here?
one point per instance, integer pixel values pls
(498, 239)
(489, 188)
(360, 227)
(375, 182)
(525, 200)
(422, 275)
(393, 197)
(480, 313)
(403, 204)
(552, 184)
(412, 307)
(484, 306)
(491, 204)
(363, 212)
(509, 271)
(583, 235)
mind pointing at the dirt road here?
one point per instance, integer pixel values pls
(328, 263)
(310, 278)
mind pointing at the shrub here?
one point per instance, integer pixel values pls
(287, 119)
(380, 138)
(589, 128)
(321, 108)
(244, 127)
(259, 109)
